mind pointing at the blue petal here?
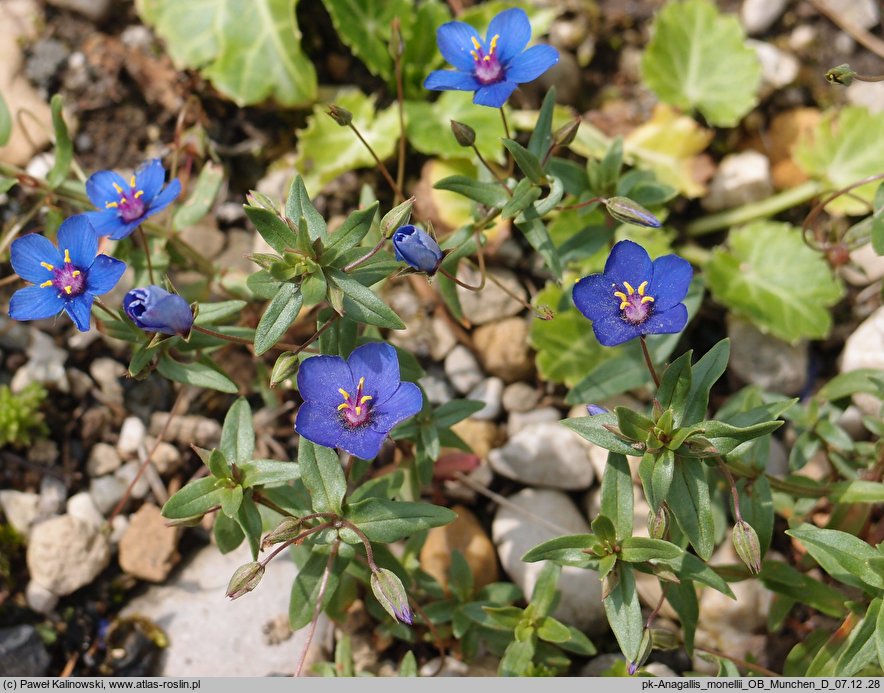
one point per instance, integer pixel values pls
(26, 254)
(455, 41)
(494, 95)
(531, 64)
(170, 315)
(79, 308)
(405, 402)
(104, 274)
(149, 178)
(672, 278)
(77, 236)
(666, 322)
(363, 442)
(417, 248)
(613, 330)
(124, 229)
(440, 80)
(100, 188)
(594, 297)
(319, 378)
(34, 303)
(164, 199)
(104, 223)
(378, 363)
(514, 30)
(319, 423)
(630, 263)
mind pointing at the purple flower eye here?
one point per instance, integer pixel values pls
(154, 309)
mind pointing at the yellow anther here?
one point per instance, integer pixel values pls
(493, 44)
(620, 295)
(629, 288)
(358, 410)
(641, 288)
(110, 205)
(645, 299)
(67, 256)
(132, 182)
(46, 283)
(75, 273)
(117, 188)
(47, 266)
(139, 193)
(475, 55)
(361, 382)
(343, 392)
(343, 406)
(365, 398)
(68, 290)
(476, 44)
(487, 58)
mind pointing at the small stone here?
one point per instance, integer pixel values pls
(481, 436)
(107, 374)
(53, 494)
(236, 254)
(503, 349)
(532, 517)
(21, 509)
(40, 599)
(47, 56)
(490, 392)
(436, 387)
(65, 553)
(451, 667)
(22, 652)
(491, 303)
(45, 365)
(189, 430)
(865, 349)
(443, 339)
(802, 37)
(103, 459)
(740, 179)
(520, 397)
(778, 68)
(867, 261)
(43, 451)
(758, 16)
(139, 37)
(106, 492)
(205, 237)
(868, 94)
(119, 525)
(81, 384)
(132, 435)
(466, 535)
(82, 506)
(863, 13)
(148, 548)
(95, 10)
(166, 457)
(518, 421)
(462, 369)
(545, 454)
(13, 334)
(127, 473)
(763, 360)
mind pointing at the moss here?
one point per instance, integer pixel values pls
(20, 418)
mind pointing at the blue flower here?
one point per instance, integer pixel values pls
(492, 68)
(635, 296)
(156, 310)
(123, 205)
(67, 278)
(417, 248)
(353, 404)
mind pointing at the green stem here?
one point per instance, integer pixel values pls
(757, 210)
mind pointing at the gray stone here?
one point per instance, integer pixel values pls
(758, 16)
(864, 13)
(868, 94)
(189, 430)
(436, 387)
(82, 506)
(45, 365)
(503, 349)
(43, 452)
(764, 360)
(127, 473)
(107, 373)
(545, 454)
(103, 459)
(106, 491)
(740, 179)
(166, 457)
(95, 10)
(490, 392)
(138, 36)
(778, 68)
(205, 237)
(21, 509)
(866, 266)
(53, 494)
(200, 622)
(492, 302)
(518, 421)
(40, 599)
(132, 434)
(443, 339)
(520, 397)
(532, 517)
(802, 37)
(463, 369)
(865, 349)
(22, 652)
(13, 334)
(47, 56)
(65, 553)
(599, 665)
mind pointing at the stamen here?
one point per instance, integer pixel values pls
(68, 290)
(138, 193)
(343, 392)
(361, 382)
(358, 410)
(117, 188)
(493, 44)
(641, 288)
(75, 273)
(476, 44)
(645, 299)
(45, 284)
(343, 406)
(365, 398)
(47, 266)
(111, 205)
(629, 288)
(487, 58)
(67, 256)
(132, 182)
(620, 295)
(475, 55)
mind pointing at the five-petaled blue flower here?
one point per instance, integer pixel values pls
(492, 68)
(154, 309)
(635, 296)
(67, 278)
(417, 248)
(353, 404)
(123, 205)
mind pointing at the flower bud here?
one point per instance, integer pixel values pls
(629, 212)
(396, 217)
(286, 530)
(463, 133)
(154, 309)
(565, 135)
(341, 116)
(390, 592)
(245, 579)
(644, 651)
(658, 522)
(841, 75)
(417, 248)
(746, 544)
(595, 410)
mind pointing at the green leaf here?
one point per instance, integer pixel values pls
(517, 658)
(625, 613)
(272, 229)
(846, 384)
(527, 162)
(641, 549)
(201, 199)
(842, 555)
(385, 521)
(542, 135)
(195, 499)
(362, 304)
(64, 148)
(298, 205)
(238, 433)
(704, 374)
(231, 499)
(616, 495)
(248, 61)
(352, 231)
(689, 567)
(553, 631)
(211, 313)
(488, 194)
(524, 195)
(662, 474)
(364, 27)
(675, 384)
(877, 230)
(6, 184)
(784, 579)
(217, 464)
(5, 122)
(857, 491)
(593, 429)
(448, 414)
(536, 233)
(227, 533)
(690, 504)
(308, 586)
(725, 437)
(682, 597)
(860, 650)
(268, 472)
(566, 550)
(202, 373)
(323, 476)
(249, 518)
(278, 317)
(543, 598)
(698, 59)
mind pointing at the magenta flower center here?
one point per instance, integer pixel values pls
(488, 69)
(634, 305)
(68, 279)
(355, 409)
(130, 206)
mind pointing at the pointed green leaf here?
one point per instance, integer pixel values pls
(238, 433)
(274, 230)
(352, 231)
(280, 313)
(385, 520)
(625, 613)
(704, 374)
(201, 199)
(323, 476)
(202, 373)
(362, 304)
(308, 586)
(690, 504)
(616, 495)
(298, 206)
(842, 555)
(196, 498)
(488, 194)
(527, 162)
(268, 472)
(64, 148)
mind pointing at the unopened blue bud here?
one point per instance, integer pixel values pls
(154, 309)
(595, 410)
(629, 212)
(390, 592)
(417, 248)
